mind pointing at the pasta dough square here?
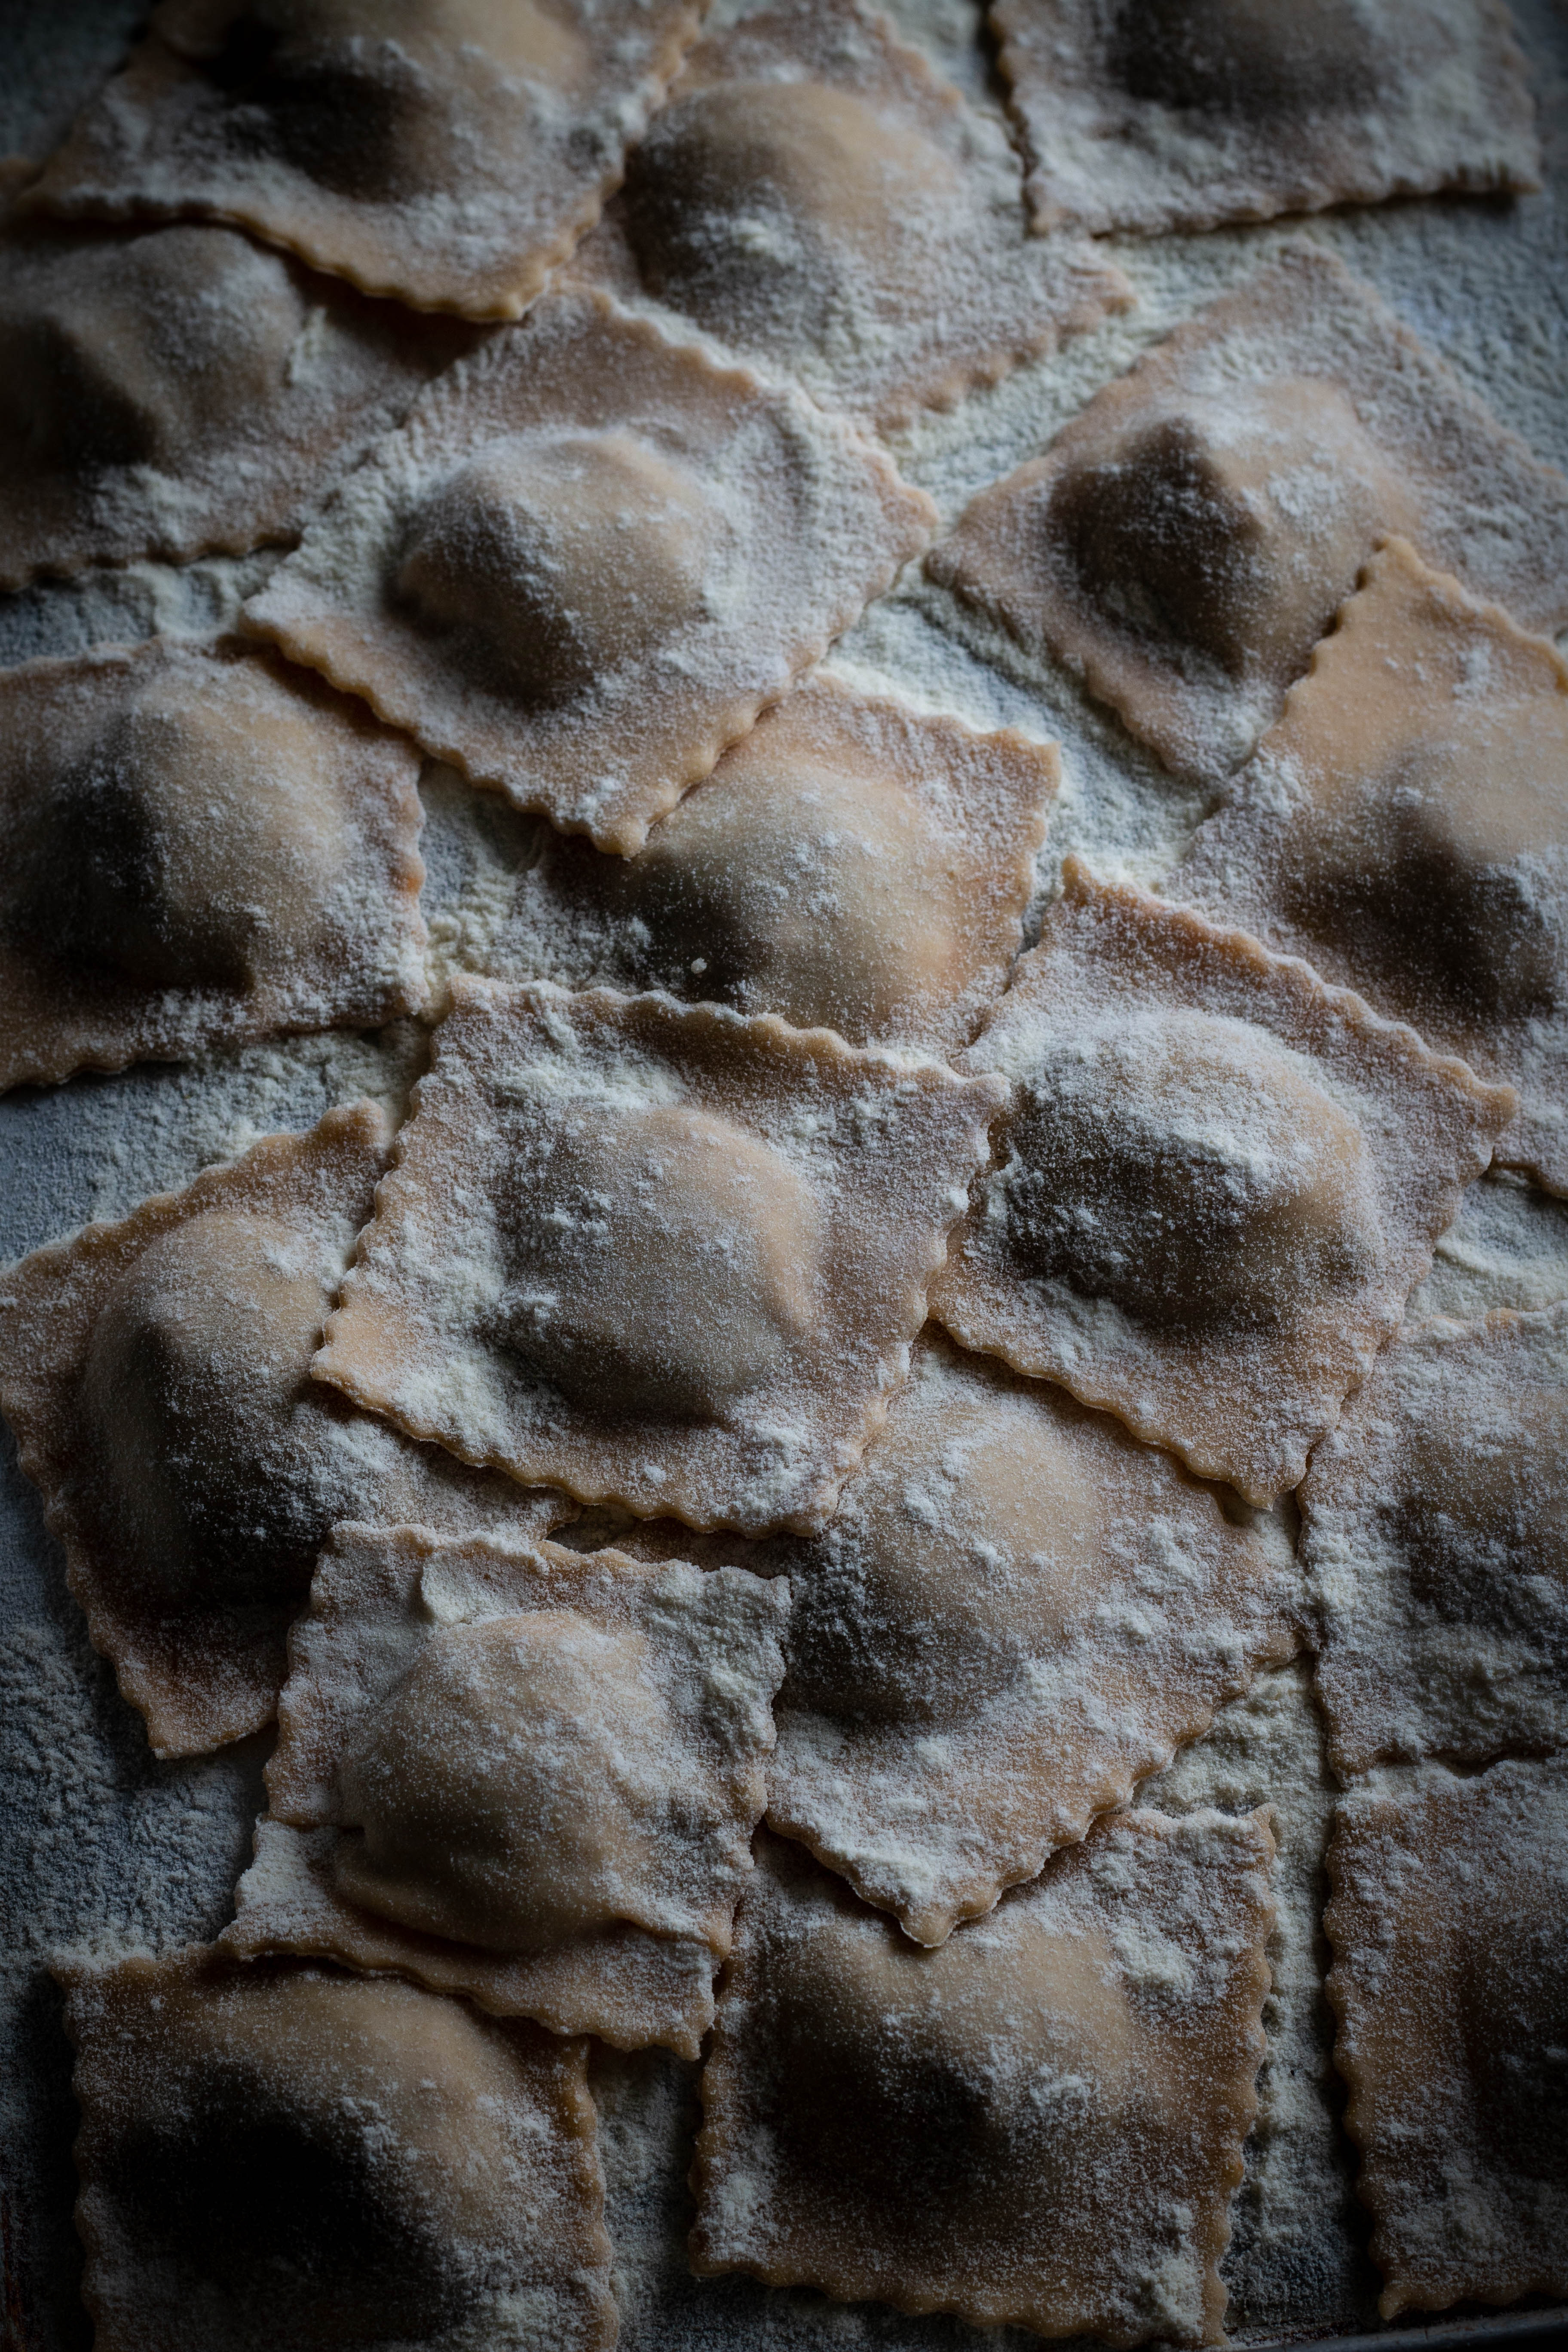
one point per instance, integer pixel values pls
(291, 2155)
(1187, 538)
(179, 391)
(1154, 115)
(202, 847)
(588, 560)
(655, 1254)
(1450, 1984)
(1435, 1525)
(449, 152)
(851, 864)
(1017, 1615)
(156, 1374)
(1218, 1182)
(1040, 2123)
(529, 1776)
(1405, 827)
(815, 198)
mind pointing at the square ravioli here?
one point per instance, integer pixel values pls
(1405, 827)
(291, 2155)
(1186, 540)
(1218, 1182)
(589, 559)
(178, 391)
(1018, 1612)
(1435, 1542)
(655, 1254)
(814, 197)
(1154, 115)
(527, 1775)
(851, 864)
(1040, 2123)
(1448, 1923)
(156, 1375)
(449, 152)
(202, 845)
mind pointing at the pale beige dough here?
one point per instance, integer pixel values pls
(284, 2154)
(1449, 1933)
(201, 845)
(449, 152)
(589, 559)
(1017, 1615)
(814, 198)
(178, 391)
(1155, 115)
(1186, 540)
(1435, 1542)
(156, 1375)
(524, 1774)
(851, 865)
(659, 1254)
(1040, 2123)
(1218, 1182)
(1405, 827)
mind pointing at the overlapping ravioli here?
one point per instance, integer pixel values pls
(201, 844)
(1017, 1613)
(1186, 540)
(660, 1255)
(1165, 114)
(525, 1774)
(851, 864)
(291, 2155)
(1405, 827)
(156, 1374)
(1218, 1182)
(1040, 2123)
(449, 152)
(1436, 1539)
(174, 392)
(816, 199)
(1450, 1982)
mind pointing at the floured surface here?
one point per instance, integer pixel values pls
(203, 845)
(1185, 540)
(816, 200)
(1216, 1186)
(1506, 1248)
(1017, 1613)
(579, 1169)
(1450, 1935)
(1144, 115)
(485, 136)
(1041, 2121)
(1436, 1544)
(521, 1774)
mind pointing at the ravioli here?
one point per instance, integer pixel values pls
(178, 391)
(816, 199)
(658, 1254)
(1154, 115)
(449, 152)
(1039, 2124)
(588, 562)
(1435, 1542)
(203, 846)
(523, 1774)
(156, 1374)
(1217, 1184)
(1187, 538)
(1450, 1984)
(1405, 827)
(851, 864)
(292, 2154)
